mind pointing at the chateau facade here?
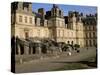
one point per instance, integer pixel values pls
(72, 29)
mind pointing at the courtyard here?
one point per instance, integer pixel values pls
(86, 59)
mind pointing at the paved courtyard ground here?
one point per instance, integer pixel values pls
(82, 60)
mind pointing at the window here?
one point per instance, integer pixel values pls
(89, 28)
(86, 42)
(20, 18)
(90, 43)
(94, 42)
(25, 19)
(93, 27)
(86, 35)
(62, 23)
(26, 35)
(30, 20)
(63, 33)
(58, 33)
(93, 34)
(90, 35)
(58, 23)
(85, 28)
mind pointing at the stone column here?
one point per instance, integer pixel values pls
(31, 49)
(19, 53)
(19, 50)
(26, 49)
(60, 49)
(38, 49)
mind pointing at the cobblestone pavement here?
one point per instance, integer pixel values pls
(49, 64)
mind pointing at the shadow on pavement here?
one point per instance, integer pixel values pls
(88, 63)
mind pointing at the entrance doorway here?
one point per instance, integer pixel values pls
(34, 50)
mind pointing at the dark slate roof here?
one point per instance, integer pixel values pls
(89, 20)
(66, 19)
